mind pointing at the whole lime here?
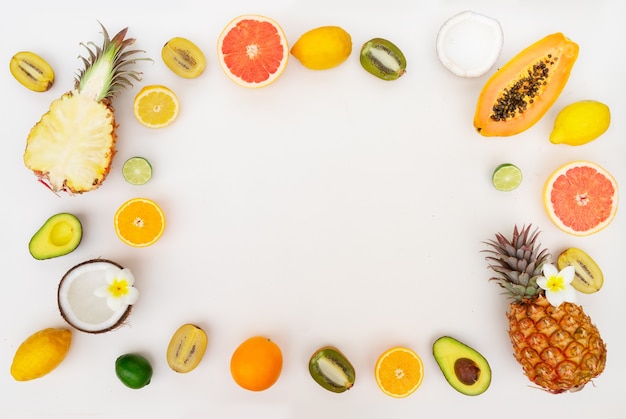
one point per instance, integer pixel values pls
(133, 370)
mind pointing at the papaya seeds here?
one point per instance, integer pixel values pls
(520, 93)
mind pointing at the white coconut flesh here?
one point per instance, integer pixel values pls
(469, 43)
(80, 307)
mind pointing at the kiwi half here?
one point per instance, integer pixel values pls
(332, 370)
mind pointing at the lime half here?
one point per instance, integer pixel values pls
(506, 177)
(137, 170)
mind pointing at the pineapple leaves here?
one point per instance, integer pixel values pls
(517, 262)
(105, 74)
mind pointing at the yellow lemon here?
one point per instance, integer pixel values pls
(40, 353)
(323, 48)
(580, 123)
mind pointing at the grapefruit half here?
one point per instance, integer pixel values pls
(253, 50)
(581, 198)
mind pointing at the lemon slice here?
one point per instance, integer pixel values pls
(137, 170)
(506, 177)
(469, 43)
(156, 106)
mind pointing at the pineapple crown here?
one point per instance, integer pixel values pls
(105, 73)
(517, 262)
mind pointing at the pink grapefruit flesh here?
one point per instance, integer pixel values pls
(581, 198)
(253, 50)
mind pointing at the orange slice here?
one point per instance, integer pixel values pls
(399, 372)
(139, 222)
(253, 50)
(581, 198)
(156, 106)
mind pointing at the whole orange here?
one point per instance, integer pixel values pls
(256, 364)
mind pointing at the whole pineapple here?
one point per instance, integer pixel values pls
(558, 347)
(71, 148)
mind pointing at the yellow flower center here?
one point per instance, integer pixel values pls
(118, 288)
(555, 283)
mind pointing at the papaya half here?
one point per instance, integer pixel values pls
(520, 93)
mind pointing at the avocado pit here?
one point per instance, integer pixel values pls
(466, 371)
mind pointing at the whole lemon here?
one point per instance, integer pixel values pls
(40, 353)
(323, 48)
(580, 122)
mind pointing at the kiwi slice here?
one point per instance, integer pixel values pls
(332, 370)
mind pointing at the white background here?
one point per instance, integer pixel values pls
(328, 208)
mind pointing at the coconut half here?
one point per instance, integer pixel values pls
(79, 305)
(469, 43)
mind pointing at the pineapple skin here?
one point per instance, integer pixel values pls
(558, 348)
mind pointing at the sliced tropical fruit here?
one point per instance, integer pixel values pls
(469, 43)
(383, 59)
(399, 372)
(156, 106)
(506, 177)
(332, 370)
(96, 296)
(139, 222)
(253, 50)
(186, 348)
(59, 235)
(588, 277)
(137, 170)
(183, 57)
(581, 198)
(520, 93)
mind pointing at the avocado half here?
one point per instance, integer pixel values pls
(466, 370)
(58, 236)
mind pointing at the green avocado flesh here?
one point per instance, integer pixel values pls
(466, 370)
(58, 236)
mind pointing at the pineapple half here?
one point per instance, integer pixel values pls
(71, 148)
(558, 347)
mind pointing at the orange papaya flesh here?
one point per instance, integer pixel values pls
(520, 93)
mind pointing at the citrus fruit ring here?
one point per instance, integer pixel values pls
(399, 372)
(253, 50)
(139, 222)
(581, 198)
(156, 106)
(137, 170)
(506, 177)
